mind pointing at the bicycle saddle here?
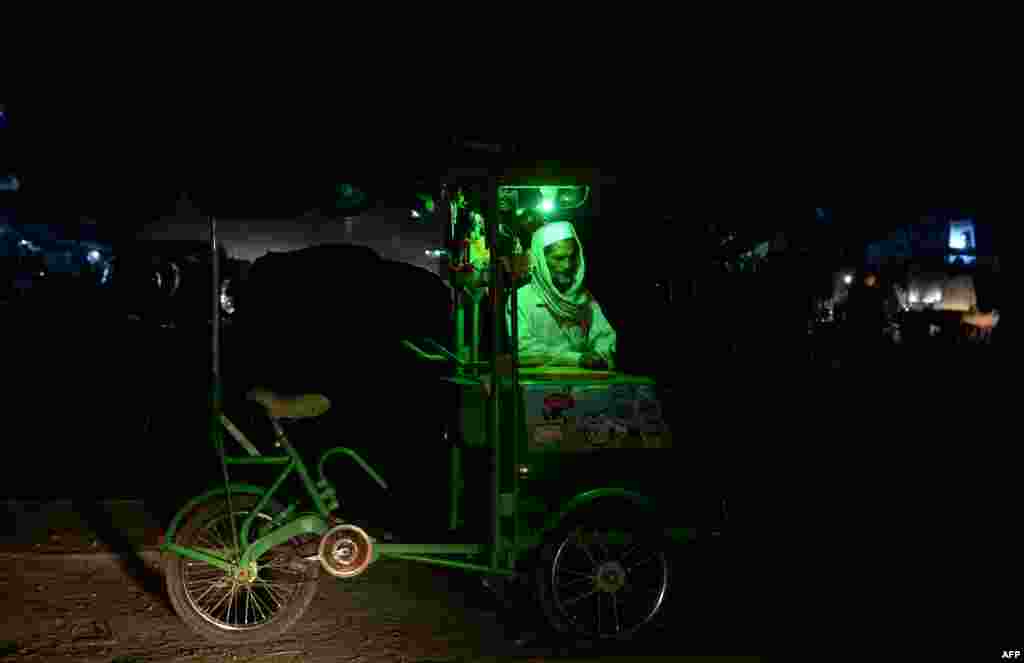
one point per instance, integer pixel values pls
(297, 406)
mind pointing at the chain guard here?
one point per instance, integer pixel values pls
(346, 551)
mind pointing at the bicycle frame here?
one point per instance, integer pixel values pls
(284, 526)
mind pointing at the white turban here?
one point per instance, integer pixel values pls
(555, 232)
(568, 305)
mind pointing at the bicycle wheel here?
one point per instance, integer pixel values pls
(225, 609)
(603, 580)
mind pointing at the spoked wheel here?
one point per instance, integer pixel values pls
(603, 582)
(258, 604)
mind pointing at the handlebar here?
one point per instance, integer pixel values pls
(426, 356)
(444, 355)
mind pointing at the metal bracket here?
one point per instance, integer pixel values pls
(305, 524)
(239, 436)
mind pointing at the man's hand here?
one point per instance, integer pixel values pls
(593, 362)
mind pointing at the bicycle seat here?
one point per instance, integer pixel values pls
(292, 406)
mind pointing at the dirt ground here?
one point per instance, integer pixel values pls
(99, 608)
(76, 609)
(74, 592)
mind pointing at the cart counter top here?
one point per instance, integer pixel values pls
(561, 375)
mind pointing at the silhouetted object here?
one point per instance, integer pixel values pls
(866, 318)
(330, 320)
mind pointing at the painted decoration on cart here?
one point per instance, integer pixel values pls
(620, 417)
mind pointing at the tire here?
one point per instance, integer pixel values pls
(202, 608)
(604, 577)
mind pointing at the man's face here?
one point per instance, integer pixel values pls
(562, 262)
(870, 280)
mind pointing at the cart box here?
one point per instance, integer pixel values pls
(560, 417)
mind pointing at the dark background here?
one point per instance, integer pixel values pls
(107, 408)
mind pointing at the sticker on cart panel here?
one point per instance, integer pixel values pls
(556, 403)
(547, 434)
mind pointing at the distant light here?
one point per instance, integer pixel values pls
(547, 205)
(227, 302)
(961, 234)
(847, 279)
(415, 214)
(93, 256)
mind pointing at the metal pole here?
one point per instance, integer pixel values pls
(496, 389)
(460, 321)
(458, 293)
(459, 342)
(478, 298)
(215, 320)
(454, 481)
(216, 432)
(514, 415)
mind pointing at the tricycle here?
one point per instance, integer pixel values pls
(571, 457)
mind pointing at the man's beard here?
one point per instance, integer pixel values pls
(563, 281)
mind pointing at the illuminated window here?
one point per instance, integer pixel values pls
(961, 235)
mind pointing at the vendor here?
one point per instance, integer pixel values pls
(560, 323)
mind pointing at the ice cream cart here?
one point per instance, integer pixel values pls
(560, 475)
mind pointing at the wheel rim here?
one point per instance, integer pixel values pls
(608, 584)
(230, 603)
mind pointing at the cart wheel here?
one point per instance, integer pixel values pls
(603, 581)
(228, 610)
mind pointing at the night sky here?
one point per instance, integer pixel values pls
(142, 171)
(268, 172)
(157, 171)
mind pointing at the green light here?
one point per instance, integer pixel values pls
(547, 205)
(348, 196)
(428, 202)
